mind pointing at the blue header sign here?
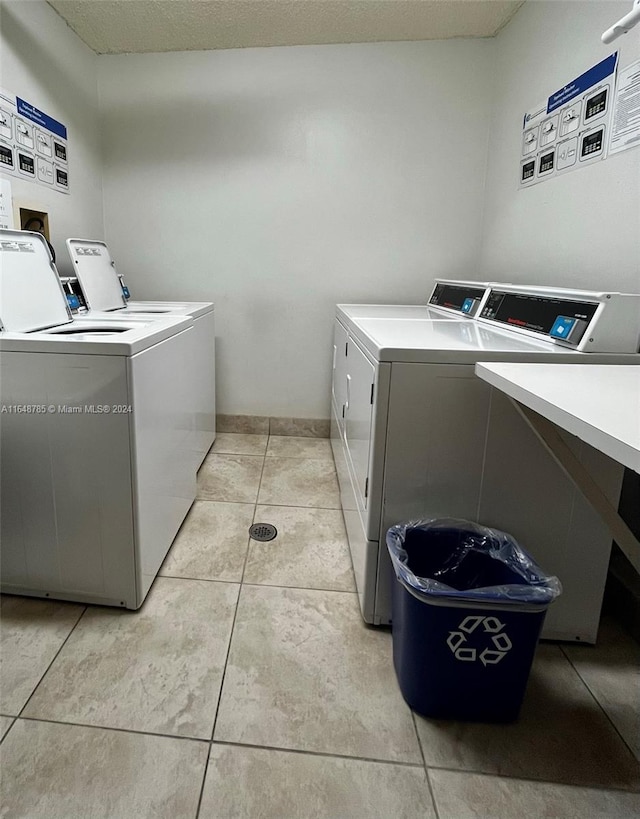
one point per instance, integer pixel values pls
(29, 111)
(583, 83)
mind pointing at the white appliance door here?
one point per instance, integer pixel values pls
(97, 274)
(31, 296)
(339, 380)
(360, 386)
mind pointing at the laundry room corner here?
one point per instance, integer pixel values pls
(43, 60)
(278, 181)
(583, 228)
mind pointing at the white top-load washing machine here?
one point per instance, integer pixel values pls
(416, 434)
(98, 289)
(95, 475)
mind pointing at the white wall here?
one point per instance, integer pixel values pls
(45, 63)
(581, 228)
(277, 182)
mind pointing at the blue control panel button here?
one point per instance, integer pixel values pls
(74, 302)
(467, 305)
(125, 290)
(562, 327)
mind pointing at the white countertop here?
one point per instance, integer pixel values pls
(600, 404)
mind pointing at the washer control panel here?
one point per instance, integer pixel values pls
(74, 294)
(125, 290)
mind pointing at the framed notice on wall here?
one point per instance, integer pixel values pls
(33, 145)
(570, 129)
(625, 121)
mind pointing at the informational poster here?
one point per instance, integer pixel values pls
(571, 128)
(6, 207)
(33, 145)
(625, 123)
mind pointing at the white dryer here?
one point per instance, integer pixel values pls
(450, 300)
(95, 474)
(416, 434)
(98, 290)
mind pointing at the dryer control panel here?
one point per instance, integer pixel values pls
(559, 318)
(460, 297)
(588, 321)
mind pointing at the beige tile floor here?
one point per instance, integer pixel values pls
(248, 686)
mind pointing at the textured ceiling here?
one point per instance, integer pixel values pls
(137, 26)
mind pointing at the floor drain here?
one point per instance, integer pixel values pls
(263, 531)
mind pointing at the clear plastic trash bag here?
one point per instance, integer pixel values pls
(448, 559)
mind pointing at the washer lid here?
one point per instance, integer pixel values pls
(97, 274)
(31, 296)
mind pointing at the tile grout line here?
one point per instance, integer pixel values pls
(266, 454)
(307, 508)
(520, 778)
(234, 454)
(293, 506)
(200, 579)
(598, 703)
(255, 508)
(431, 793)
(231, 631)
(57, 654)
(135, 731)
(6, 733)
(380, 629)
(424, 765)
(265, 585)
(255, 512)
(278, 505)
(231, 743)
(283, 457)
(302, 588)
(308, 752)
(215, 717)
(226, 660)
(215, 500)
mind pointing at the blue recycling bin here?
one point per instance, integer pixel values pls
(468, 607)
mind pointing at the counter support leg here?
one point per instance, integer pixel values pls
(548, 434)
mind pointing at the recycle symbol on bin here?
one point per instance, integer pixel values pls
(499, 642)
